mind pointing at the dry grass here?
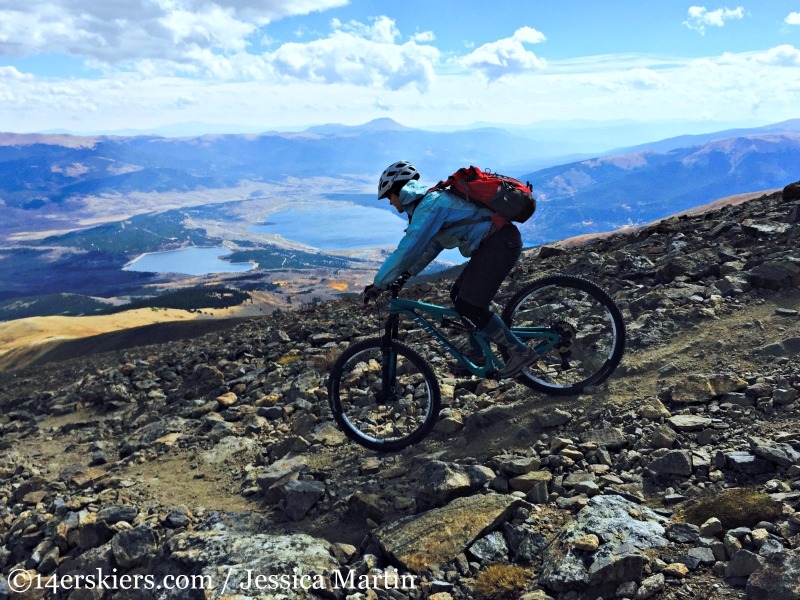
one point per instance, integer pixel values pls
(734, 508)
(22, 340)
(500, 581)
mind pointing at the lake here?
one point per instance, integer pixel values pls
(187, 261)
(337, 226)
(332, 226)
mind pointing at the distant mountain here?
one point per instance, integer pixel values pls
(609, 192)
(37, 171)
(685, 141)
(374, 126)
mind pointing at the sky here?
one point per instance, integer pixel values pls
(89, 66)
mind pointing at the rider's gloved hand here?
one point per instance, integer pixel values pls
(370, 293)
(398, 283)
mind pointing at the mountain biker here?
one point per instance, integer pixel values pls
(439, 219)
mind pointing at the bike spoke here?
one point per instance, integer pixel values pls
(587, 323)
(384, 413)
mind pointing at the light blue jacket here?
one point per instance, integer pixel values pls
(437, 222)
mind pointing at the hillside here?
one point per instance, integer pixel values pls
(216, 457)
(609, 192)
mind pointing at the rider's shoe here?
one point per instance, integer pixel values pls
(517, 361)
(520, 357)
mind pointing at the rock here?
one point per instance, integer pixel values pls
(625, 530)
(587, 543)
(442, 482)
(525, 483)
(663, 437)
(674, 462)
(745, 462)
(229, 447)
(781, 454)
(491, 548)
(774, 275)
(520, 466)
(300, 496)
(791, 192)
(702, 388)
(776, 578)
(549, 418)
(683, 533)
(650, 587)
(135, 547)
(653, 409)
(363, 506)
(676, 570)
(212, 551)
(743, 563)
(441, 534)
(711, 527)
(689, 422)
(612, 438)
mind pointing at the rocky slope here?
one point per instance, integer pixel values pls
(210, 467)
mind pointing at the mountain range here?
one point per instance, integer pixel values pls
(76, 209)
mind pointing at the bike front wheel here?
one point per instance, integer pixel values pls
(383, 397)
(584, 320)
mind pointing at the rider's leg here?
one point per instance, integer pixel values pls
(477, 285)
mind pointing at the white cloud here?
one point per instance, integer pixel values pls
(359, 54)
(700, 17)
(11, 73)
(637, 78)
(793, 18)
(785, 55)
(211, 40)
(423, 36)
(125, 32)
(507, 56)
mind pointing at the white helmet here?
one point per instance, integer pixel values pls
(400, 172)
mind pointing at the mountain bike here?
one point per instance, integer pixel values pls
(385, 396)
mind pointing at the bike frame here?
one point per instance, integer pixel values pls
(426, 314)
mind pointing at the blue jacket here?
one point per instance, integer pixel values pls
(432, 229)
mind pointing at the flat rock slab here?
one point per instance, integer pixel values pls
(440, 535)
(690, 422)
(230, 559)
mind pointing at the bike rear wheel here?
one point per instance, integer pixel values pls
(590, 329)
(383, 398)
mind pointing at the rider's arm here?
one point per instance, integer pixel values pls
(428, 220)
(431, 251)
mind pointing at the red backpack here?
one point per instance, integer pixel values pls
(510, 199)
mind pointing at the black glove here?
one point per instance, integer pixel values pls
(398, 283)
(370, 293)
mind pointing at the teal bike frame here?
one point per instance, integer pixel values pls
(432, 316)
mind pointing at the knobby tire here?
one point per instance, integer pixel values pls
(588, 314)
(356, 385)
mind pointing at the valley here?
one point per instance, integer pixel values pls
(100, 226)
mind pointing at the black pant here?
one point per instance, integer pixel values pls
(488, 266)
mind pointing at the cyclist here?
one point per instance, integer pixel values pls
(437, 220)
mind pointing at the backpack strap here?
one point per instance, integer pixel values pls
(468, 221)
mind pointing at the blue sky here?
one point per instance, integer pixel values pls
(89, 66)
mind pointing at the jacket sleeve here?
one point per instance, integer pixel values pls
(417, 244)
(432, 251)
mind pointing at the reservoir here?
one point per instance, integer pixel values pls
(325, 226)
(337, 226)
(188, 261)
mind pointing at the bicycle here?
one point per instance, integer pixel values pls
(385, 396)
